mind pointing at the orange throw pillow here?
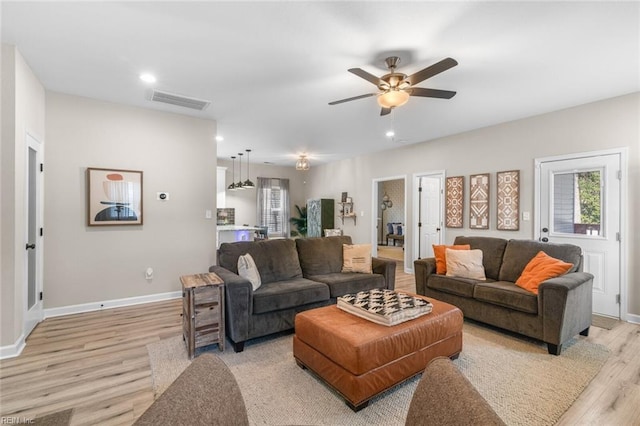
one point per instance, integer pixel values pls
(439, 253)
(539, 269)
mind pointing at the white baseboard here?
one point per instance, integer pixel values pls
(12, 351)
(110, 304)
(633, 319)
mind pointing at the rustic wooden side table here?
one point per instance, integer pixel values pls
(202, 311)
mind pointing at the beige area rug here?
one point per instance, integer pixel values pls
(522, 382)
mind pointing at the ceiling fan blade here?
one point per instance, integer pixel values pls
(434, 69)
(431, 93)
(385, 111)
(367, 76)
(352, 99)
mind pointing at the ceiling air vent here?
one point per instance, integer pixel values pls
(179, 100)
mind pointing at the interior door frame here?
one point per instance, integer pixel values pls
(624, 197)
(375, 202)
(441, 174)
(31, 317)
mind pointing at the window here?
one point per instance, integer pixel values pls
(273, 206)
(577, 202)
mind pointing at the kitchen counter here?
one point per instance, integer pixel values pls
(233, 233)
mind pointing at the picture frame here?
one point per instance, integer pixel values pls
(508, 200)
(344, 197)
(114, 197)
(479, 186)
(454, 203)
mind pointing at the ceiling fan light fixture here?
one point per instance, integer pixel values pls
(393, 98)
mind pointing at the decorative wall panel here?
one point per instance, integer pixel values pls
(479, 201)
(508, 200)
(454, 201)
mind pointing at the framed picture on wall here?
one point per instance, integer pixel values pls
(508, 202)
(454, 201)
(114, 197)
(479, 201)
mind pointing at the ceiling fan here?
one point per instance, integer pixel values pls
(395, 88)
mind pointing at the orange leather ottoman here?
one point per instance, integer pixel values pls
(360, 359)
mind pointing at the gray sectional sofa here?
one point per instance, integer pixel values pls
(561, 309)
(296, 275)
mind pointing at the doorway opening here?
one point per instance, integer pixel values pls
(389, 228)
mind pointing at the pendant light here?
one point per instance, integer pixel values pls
(247, 183)
(302, 163)
(232, 185)
(239, 184)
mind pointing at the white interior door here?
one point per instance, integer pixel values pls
(33, 244)
(429, 217)
(580, 204)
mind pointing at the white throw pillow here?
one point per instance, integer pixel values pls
(247, 269)
(465, 264)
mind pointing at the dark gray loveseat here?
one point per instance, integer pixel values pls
(560, 310)
(296, 275)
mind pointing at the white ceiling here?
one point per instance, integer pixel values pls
(270, 68)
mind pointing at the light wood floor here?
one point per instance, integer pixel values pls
(97, 363)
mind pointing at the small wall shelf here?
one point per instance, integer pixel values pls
(347, 212)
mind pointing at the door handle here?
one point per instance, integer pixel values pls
(30, 246)
(545, 229)
(437, 229)
(544, 239)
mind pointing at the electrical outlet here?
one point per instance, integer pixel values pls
(148, 274)
(526, 216)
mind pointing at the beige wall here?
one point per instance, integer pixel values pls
(244, 201)
(176, 153)
(23, 111)
(607, 124)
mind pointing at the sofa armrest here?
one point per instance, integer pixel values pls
(566, 305)
(445, 397)
(423, 268)
(238, 303)
(205, 393)
(386, 268)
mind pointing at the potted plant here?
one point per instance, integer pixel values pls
(300, 222)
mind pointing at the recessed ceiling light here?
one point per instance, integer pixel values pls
(390, 134)
(219, 138)
(147, 78)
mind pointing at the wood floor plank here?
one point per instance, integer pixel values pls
(97, 363)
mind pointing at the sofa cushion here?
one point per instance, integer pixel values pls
(356, 258)
(275, 296)
(492, 250)
(277, 260)
(507, 294)
(439, 252)
(344, 283)
(465, 264)
(518, 253)
(321, 255)
(541, 268)
(459, 286)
